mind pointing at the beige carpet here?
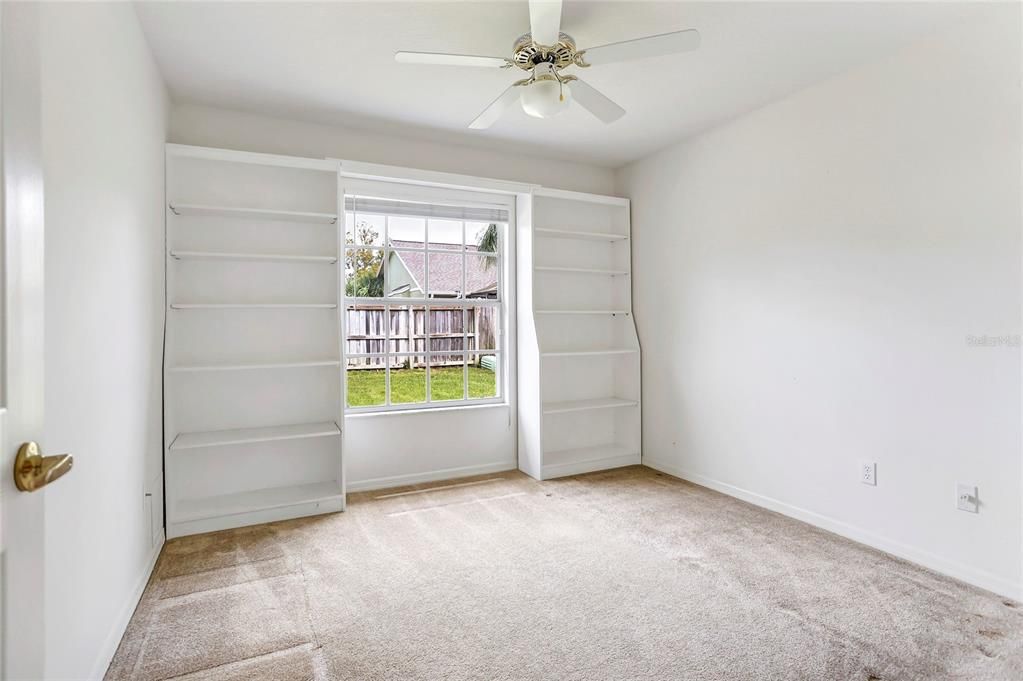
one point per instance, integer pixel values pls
(628, 574)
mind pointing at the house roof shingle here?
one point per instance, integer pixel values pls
(445, 271)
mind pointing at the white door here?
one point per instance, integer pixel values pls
(21, 341)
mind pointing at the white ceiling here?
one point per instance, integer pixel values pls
(333, 63)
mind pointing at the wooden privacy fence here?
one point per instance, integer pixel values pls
(449, 331)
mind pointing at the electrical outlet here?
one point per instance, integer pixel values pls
(868, 472)
(966, 498)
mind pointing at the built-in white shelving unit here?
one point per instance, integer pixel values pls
(252, 382)
(578, 361)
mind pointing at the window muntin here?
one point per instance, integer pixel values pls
(424, 308)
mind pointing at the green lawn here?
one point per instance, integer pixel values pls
(408, 386)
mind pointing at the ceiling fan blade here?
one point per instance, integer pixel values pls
(641, 48)
(441, 59)
(496, 108)
(595, 102)
(545, 21)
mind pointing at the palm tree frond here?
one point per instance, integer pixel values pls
(488, 243)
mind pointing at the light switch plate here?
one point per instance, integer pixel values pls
(966, 498)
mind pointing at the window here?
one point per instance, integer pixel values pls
(424, 303)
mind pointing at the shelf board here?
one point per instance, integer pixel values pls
(239, 436)
(253, 213)
(610, 312)
(246, 367)
(587, 405)
(589, 353)
(186, 510)
(582, 270)
(561, 462)
(253, 257)
(249, 306)
(574, 234)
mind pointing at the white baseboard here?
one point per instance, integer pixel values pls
(966, 573)
(429, 476)
(106, 653)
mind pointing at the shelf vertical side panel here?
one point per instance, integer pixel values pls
(529, 360)
(339, 291)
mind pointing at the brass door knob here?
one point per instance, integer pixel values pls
(32, 470)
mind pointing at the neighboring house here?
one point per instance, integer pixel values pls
(406, 272)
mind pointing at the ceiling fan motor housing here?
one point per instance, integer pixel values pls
(527, 54)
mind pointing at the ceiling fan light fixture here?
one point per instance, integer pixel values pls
(545, 98)
(544, 53)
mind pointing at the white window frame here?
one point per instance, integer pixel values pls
(504, 302)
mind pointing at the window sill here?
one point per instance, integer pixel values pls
(395, 411)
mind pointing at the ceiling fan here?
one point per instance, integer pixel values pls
(544, 52)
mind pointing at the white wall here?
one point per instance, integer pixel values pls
(392, 449)
(806, 280)
(212, 127)
(104, 124)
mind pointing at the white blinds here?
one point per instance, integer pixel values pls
(364, 204)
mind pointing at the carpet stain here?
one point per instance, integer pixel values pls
(625, 574)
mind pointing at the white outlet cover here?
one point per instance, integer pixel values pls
(966, 498)
(868, 472)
